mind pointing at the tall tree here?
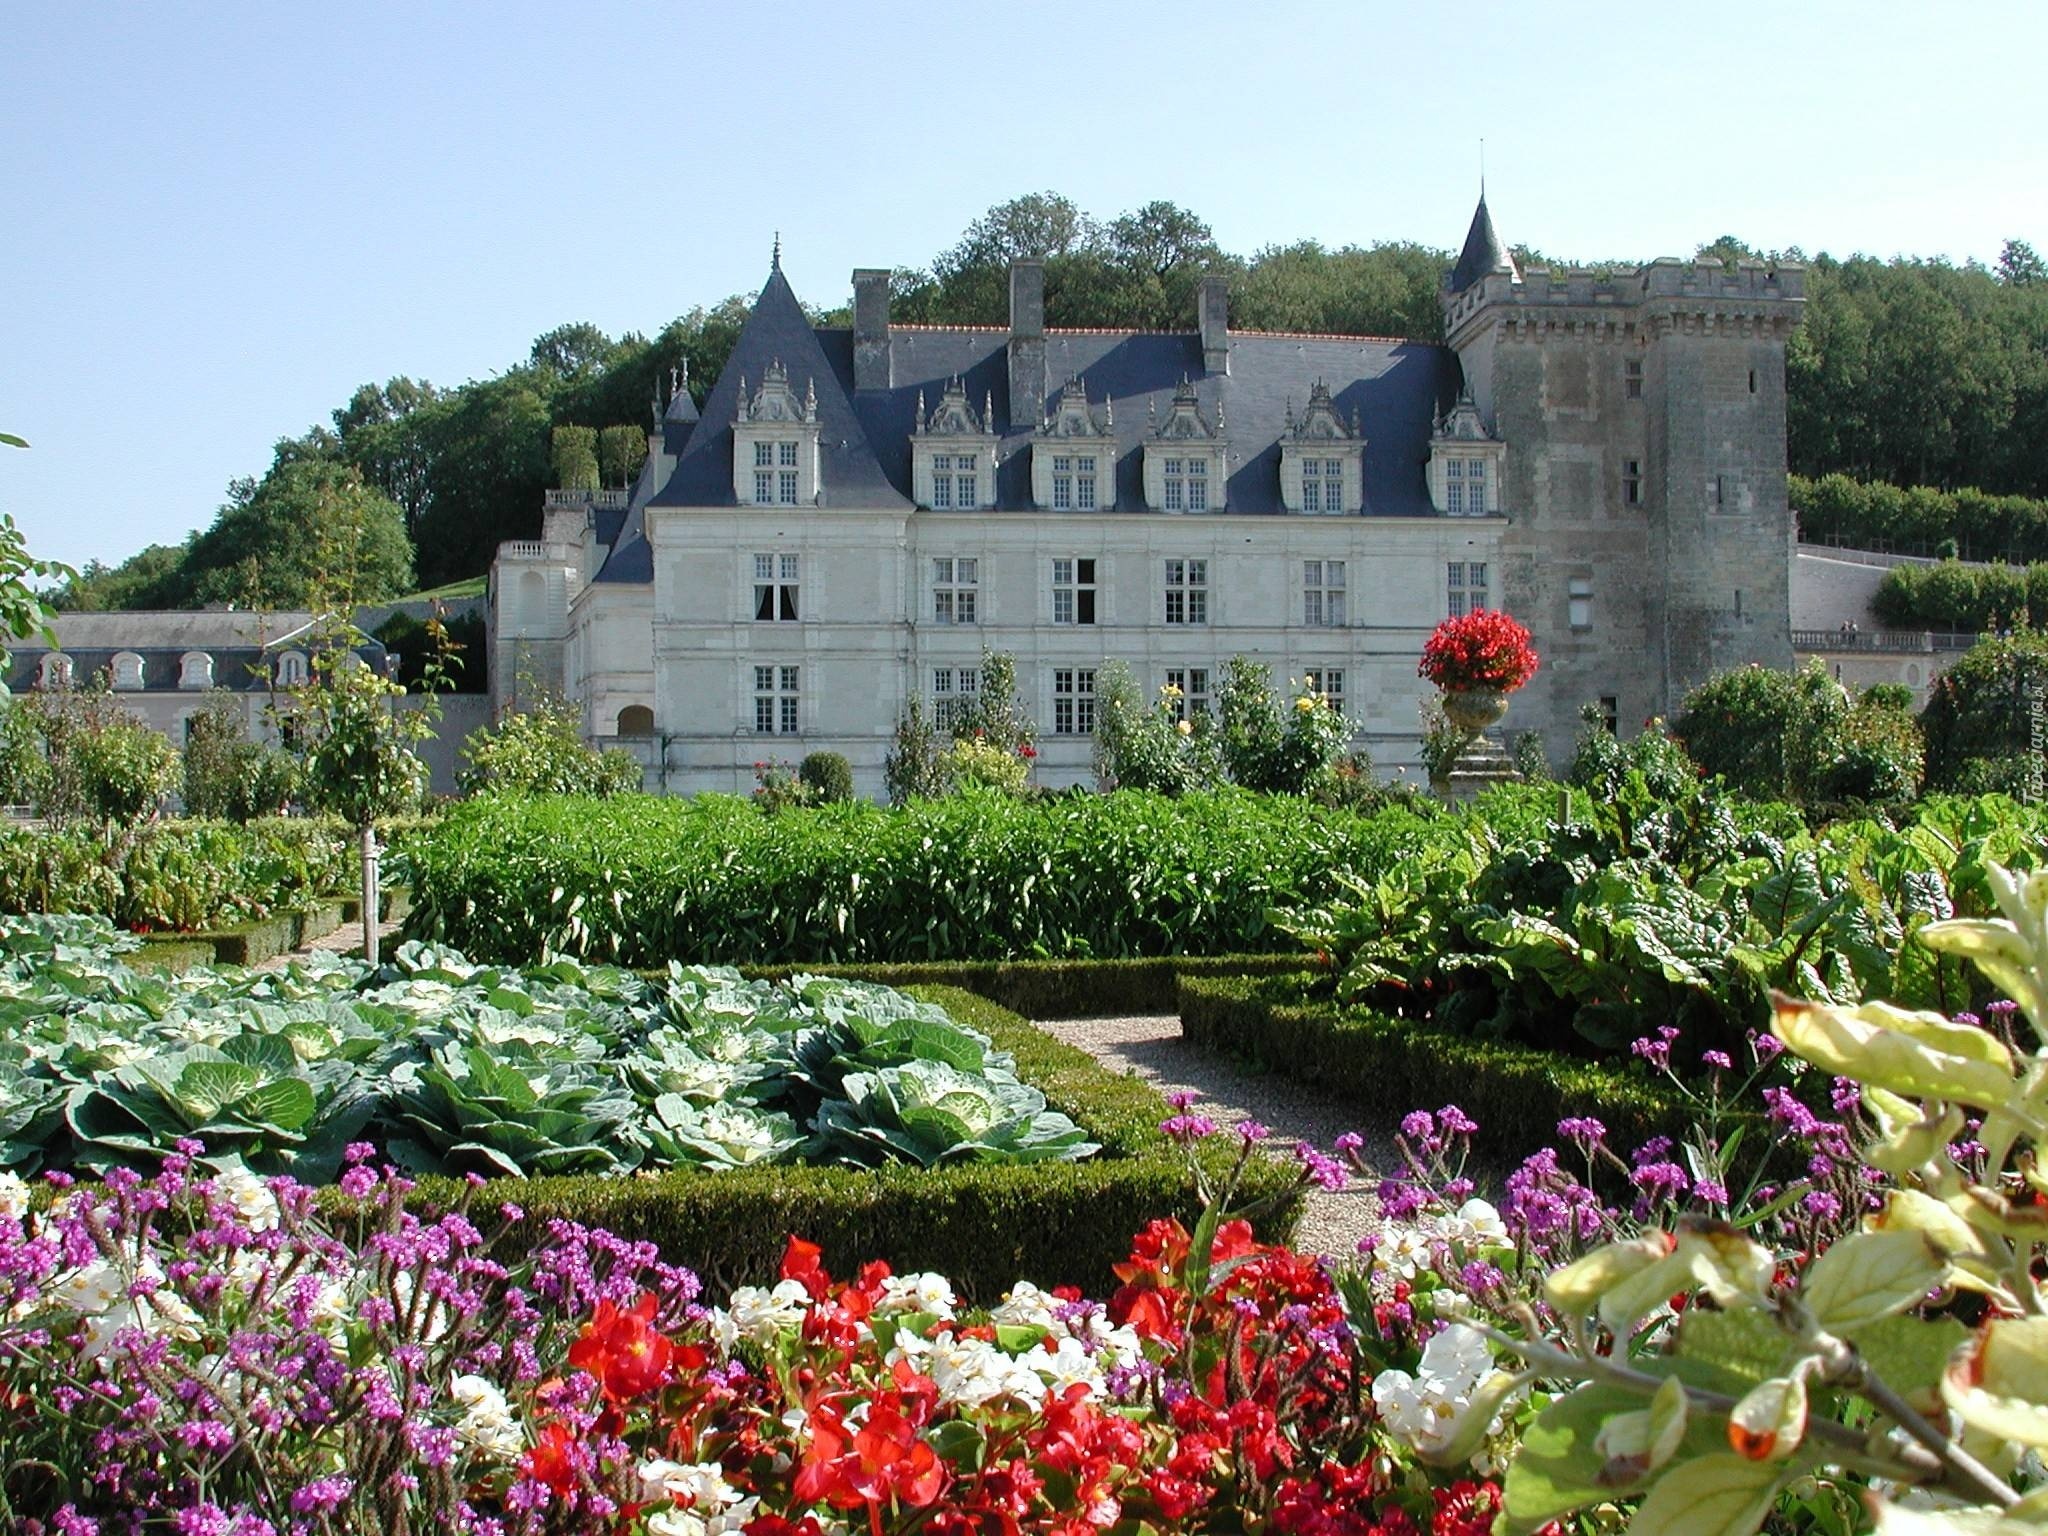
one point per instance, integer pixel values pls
(2020, 265)
(305, 522)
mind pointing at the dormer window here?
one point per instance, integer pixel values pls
(1466, 462)
(195, 670)
(291, 670)
(1073, 461)
(1185, 457)
(1320, 461)
(775, 443)
(54, 671)
(953, 453)
(128, 671)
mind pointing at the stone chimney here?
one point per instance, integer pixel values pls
(870, 328)
(1212, 316)
(1027, 343)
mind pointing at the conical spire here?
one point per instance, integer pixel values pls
(1483, 252)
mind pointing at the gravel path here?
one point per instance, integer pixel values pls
(347, 940)
(1332, 1221)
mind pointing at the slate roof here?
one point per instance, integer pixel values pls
(1483, 251)
(241, 643)
(1397, 389)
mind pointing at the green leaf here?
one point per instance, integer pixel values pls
(961, 1442)
(205, 1088)
(1558, 1467)
(1871, 1275)
(287, 1104)
(1910, 1353)
(1718, 1495)
(1739, 1348)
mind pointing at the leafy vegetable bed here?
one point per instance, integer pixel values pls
(456, 1068)
(640, 880)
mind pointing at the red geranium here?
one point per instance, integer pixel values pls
(1479, 652)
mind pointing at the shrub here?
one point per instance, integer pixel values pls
(1978, 722)
(1921, 520)
(541, 751)
(81, 756)
(915, 767)
(1775, 735)
(1265, 747)
(1155, 748)
(829, 775)
(777, 788)
(976, 762)
(228, 776)
(1604, 765)
(575, 458)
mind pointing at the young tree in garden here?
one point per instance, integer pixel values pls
(356, 747)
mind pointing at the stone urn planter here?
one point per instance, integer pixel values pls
(1473, 711)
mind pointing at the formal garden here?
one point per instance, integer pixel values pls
(700, 1166)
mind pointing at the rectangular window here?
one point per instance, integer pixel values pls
(1580, 603)
(1322, 485)
(1326, 683)
(764, 455)
(1198, 485)
(788, 487)
(1475, 487)
(942, 482)
(966, 493)
(1193, 697)
(1720, 490)
(1454, 487)
(1187, 591)
(1631, 482)
(1466, 580)
(1174, 485)
(956, 584)
(954, 691)
(764, 484)
(1084, 488)
(1073, 701)
(775, 701)
(1610, 713)
(1322, 594)
(788, 455)
(775, 587)
(1073, 592)
(1062, 484)
(1632, 378)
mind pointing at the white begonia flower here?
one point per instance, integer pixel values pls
(1072, 1363)
(699, 1484)
(13, 1195)
(1477, 1222)
(488, 1426)
(100, 1294)
(918, 1293)
(1404, 1250)
(250, 1198)
(1026, 1306)
(677, 1522)
(758, 1315)
(1424, 1409)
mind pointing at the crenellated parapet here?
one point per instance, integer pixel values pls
(1600, 304)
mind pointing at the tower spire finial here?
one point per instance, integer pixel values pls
(1482, 168)
(775, 257)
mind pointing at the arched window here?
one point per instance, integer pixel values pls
(291, 670)
(127, 671)
(195, 670)
(636, 720)
(54, 671)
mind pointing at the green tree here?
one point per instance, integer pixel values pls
(569, 349)
(306, 522)
(575, 458)
(620, 453)
(228, 776)
(2020, 265)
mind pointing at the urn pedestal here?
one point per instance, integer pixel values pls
(1481, 762)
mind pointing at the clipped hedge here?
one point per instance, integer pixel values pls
(1390, 1065)
(980, 1225)
(1057, 989)
(1921, 519)
(640, 880)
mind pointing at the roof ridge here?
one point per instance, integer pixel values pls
(1399, 341)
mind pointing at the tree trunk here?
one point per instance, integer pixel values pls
(372, 905)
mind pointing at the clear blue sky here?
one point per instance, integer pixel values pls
(217, 220)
